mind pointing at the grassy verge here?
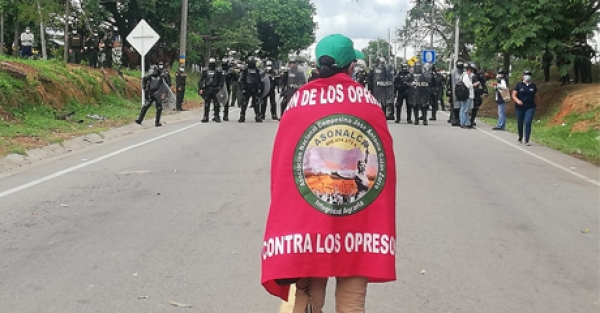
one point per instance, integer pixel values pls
(582, 144)
(35, 93)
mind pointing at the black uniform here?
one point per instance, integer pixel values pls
(75, 48)
(587, 53)
(480, 91)
(563, 63)
(292, 80)
(361, 77)
(210, 83)
(92, 49)
(577, 62)
(153, 84)
(108, 50)
(419, 93)
(381, 84)
(270, 97)
(401, 86)
(547, 59)
(250, 83)
(180, 80)
(230, 79)
(435, 85)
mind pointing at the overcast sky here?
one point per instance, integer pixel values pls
(361, 20)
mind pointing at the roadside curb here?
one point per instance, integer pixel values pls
(14, 161)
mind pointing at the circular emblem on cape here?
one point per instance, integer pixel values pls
(339, 165)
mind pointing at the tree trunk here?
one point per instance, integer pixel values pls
(42, 34)
(2, 32)
(506, 64)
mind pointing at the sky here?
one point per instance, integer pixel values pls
(361, 20)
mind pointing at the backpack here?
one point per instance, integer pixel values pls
(461, 90)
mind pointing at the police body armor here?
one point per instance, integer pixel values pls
(413, 91)
(76, 42)
(402, 84)
(252, 80)
(154, 84)
(383, 81)
(425, 89)
(212, 82)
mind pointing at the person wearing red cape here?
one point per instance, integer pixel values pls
(333, 190)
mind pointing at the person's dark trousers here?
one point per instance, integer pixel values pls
(524, 121)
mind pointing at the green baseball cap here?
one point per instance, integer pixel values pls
(338, 47)
(359, 55)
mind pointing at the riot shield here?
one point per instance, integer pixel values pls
(167, 97)
(413, 90)
(266, 81)
(424, 90)
(223, 95)
(383, 88)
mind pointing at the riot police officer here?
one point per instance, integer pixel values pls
(210, 83)
(434, 91)
(230, 79)
(92, 46)
(481, 90)
(270, 73)
(250, 82)
(75, 47)
(401, 88)
(180, 80)
(152, 85)
(424, 92)
(108, 43)
(292, 80)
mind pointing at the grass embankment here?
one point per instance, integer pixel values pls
(567, 119)
(36, 95)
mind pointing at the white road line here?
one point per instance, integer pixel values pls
(94, 161)
(558, 166)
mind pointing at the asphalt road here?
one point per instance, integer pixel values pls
(130, 225)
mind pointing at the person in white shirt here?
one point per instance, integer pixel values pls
(27, 39)
(467, 105)
(500, 86)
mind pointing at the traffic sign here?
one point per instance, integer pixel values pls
(142, 38)
(428, 56)
(412, 61)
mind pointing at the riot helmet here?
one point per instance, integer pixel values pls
(212, 64)
(74, 31)
(27, 30)
(160, 65)
(460, 64)
(154, 70)
(473, 66)
(427, 67)
(404, 67)
(251, 62)
(418, 69)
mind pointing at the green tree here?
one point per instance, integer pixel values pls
(376, 48)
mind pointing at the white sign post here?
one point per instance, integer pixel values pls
(142, 38)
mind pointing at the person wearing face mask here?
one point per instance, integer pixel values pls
(526, 97)
(164, 72)
(92, 48)
(251, 84)
(209, 85)
(180, 79)
(455, 78)
(501, 87)
(75, 47)
(27, 39)
(152, 85)
(270, 72)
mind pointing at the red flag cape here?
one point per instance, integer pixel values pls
(333, 188)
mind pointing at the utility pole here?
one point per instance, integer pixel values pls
(432, 21)
(66, 52)
(183, 40)
(456, 40)
(42, 32)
